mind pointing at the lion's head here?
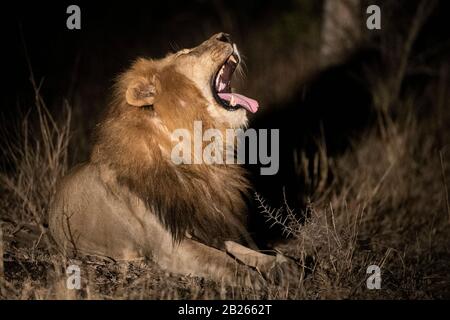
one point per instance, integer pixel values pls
(195, 81)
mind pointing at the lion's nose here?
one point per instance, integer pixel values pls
(223, 37)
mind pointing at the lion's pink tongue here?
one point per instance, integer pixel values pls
(248, 103)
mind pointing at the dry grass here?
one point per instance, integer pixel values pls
(39, 155)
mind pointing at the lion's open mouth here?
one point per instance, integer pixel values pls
(221, 87)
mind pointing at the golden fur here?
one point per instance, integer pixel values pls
(130, 201)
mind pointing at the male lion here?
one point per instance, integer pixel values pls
(131, 201)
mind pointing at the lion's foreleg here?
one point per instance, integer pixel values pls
(251, 257)
(277, 268)
(194, 258)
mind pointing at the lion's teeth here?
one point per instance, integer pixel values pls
(232, 101)
(233, 59)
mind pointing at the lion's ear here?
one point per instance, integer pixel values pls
(141, 92)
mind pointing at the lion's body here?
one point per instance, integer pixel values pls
(130, 201)
(98, 220)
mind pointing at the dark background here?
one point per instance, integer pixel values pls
(114, 34)
(80, 65)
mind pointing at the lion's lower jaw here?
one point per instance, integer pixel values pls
(232, 119)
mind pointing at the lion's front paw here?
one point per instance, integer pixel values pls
(281, 271)
(245, 277)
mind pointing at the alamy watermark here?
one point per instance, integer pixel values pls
(373, 22)
(73, 22)
(374, 280)
(73, 281)
(234, 146)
